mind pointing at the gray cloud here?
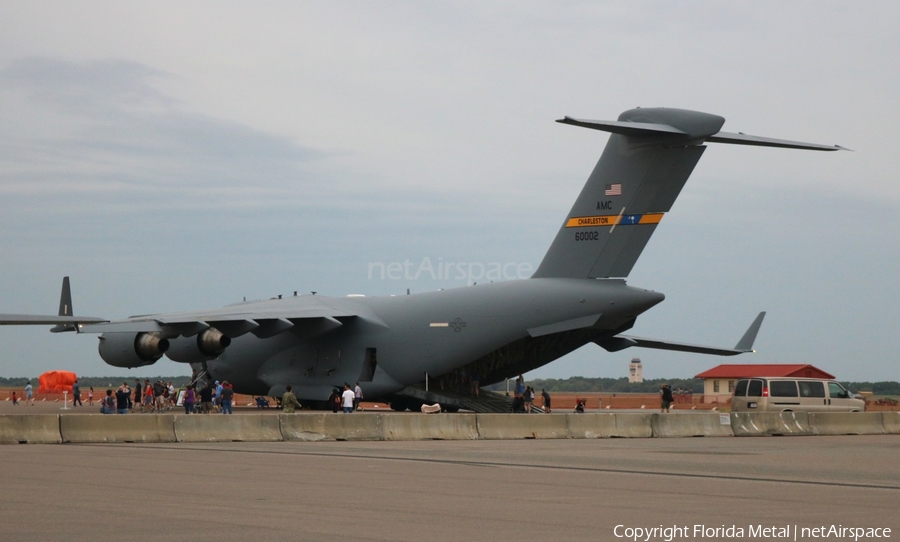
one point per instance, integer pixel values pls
(131, 144)
(93, 88)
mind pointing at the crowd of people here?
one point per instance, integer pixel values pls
(347, 400)
(143, 397)
(523, 398)
(160, 396)
(207, 398)
(218, 397)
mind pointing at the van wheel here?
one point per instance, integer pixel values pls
(786, 410)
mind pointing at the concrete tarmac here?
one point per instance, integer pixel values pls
(444, 490)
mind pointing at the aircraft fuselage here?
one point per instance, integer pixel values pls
(394, 341)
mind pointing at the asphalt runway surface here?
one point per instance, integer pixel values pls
(444, 490)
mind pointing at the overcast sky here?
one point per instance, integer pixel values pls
(183, 155)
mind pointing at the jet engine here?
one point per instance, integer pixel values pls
(129, 350)
(206, 345)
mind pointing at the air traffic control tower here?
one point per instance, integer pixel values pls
(635, 370)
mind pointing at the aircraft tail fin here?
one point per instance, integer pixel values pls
(649, 157)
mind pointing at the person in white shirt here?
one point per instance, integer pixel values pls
(347, 399)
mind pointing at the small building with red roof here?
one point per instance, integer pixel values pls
(719, 381)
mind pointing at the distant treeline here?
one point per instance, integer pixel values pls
(621, 385)
(99, 382)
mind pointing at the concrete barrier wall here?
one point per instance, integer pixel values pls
(516, 426)
(429, 426)
(846, 423)
(634, 425)
(117, 428)
(745, 424)
(322, 426)
(30, 429)
(53, 428)
(224, 428)
(594, 425)
(302, 426)
(891, 422)
(356, 426)
(695, 424)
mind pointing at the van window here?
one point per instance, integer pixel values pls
(783, 388)
(836, 391)
(811, 389)
(755, 388)
(741, 389)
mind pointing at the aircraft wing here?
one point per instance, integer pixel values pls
(264, 323)
(232, 321)
(45, 319)
(745, 345)
(262, 318)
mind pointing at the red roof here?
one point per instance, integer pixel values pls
(771, 369)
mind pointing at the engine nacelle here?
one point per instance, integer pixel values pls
(129, 350)
(206, 345)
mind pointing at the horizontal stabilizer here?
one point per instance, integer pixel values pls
(627, 128)
(744, 139)
(633, 129)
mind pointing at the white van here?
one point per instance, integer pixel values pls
(786, 394)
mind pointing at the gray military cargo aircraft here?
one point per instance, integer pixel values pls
(578, 294)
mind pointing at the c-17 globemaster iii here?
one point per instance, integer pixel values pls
(578, 294)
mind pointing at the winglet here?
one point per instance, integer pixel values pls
(65, 299)
(744, 346)
(65, 308)
(746, 342)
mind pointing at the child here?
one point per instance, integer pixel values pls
(15, 398)
(91, 395)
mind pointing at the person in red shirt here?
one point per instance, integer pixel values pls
(148, 395)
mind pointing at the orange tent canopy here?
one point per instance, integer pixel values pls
(56, 382)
